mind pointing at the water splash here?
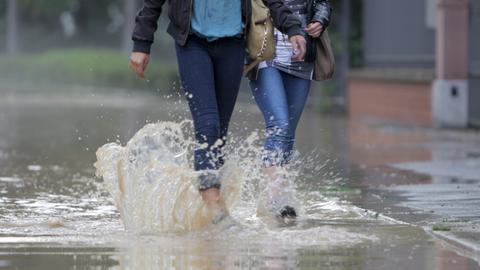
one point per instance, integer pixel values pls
(152, 181)
(154, 186)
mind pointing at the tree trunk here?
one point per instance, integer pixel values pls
(130, 8)
(344, 56)
(12, 27)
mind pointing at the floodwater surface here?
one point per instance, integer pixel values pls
(56, 214)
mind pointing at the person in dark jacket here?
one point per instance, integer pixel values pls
(280, 88)
(210, 46)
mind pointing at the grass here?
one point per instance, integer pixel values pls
(456, 220)
(90, 67)
(441, 228)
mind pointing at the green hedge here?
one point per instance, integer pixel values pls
(102, 68)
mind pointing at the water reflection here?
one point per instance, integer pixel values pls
(55, 214)
(401, 247)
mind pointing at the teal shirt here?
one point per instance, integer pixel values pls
(214, 19)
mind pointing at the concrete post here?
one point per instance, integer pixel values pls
(450, 89)
(129, 7)
(12, 27)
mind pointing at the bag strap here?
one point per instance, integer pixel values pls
(263, 48)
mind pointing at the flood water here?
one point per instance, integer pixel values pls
(55, 214)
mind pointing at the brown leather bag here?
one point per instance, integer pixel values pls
(325, 59)
(260, 39)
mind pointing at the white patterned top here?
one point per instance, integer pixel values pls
(284, 52)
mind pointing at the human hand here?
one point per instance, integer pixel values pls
(138, 63)
(299, 45)
(314, 29)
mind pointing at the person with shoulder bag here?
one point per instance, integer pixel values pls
(210, 48)
(280, 87)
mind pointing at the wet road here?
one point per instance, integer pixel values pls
(55, 214)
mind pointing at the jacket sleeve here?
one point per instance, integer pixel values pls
(322, 12)
(146, 24)
(283, 18)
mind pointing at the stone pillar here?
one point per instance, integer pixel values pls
(450, 89)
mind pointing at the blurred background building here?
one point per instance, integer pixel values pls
(421, 63)
(411, 61)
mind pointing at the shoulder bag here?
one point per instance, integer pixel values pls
(260, 39)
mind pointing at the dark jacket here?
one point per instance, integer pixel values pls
(321, 11)
(180, 15)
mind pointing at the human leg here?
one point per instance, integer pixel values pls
(269, 93)
(297, 90)
(198, 80)
(228, 62)
(227, 59)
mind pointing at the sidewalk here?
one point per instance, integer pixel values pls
(425, 177)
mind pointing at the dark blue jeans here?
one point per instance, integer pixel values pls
(210, 74)
(281, 98)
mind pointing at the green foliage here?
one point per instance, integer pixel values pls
(103, 68)
(441, 228)
(44, 8)
(355, 45)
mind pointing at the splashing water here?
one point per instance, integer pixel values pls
(153, 184)
(155, 188)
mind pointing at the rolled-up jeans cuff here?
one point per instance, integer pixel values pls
(208, 179)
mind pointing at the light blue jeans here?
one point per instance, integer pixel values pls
(281, 98)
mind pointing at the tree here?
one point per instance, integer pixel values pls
(46, 8)
(343, 66)
(130, 7)
(12, 27)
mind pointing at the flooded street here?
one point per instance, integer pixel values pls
(365, 193)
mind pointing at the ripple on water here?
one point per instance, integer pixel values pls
(10, 179)
(158, 199)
